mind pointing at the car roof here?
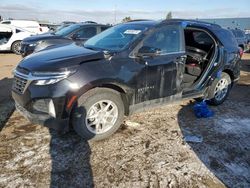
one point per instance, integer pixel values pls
(185, 22)
(143, 22)
(11, 27)
(89, 24)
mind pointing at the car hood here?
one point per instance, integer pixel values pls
(60, 58)
(36, 38)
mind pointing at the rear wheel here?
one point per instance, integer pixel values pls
(220, 89)
(99, 114)
(16, 47)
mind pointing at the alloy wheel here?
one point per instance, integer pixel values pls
(221, 89)
(101, 116)
(17, 47)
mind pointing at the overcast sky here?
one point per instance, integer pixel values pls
(104, 11)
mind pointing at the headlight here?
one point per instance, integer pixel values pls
(47, 82)
(41, 45)
(47, 78)
(32, 44)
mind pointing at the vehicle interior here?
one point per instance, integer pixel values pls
(200, 49)
(4, 37)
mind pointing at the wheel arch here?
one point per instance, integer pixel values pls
(242, 46)
(11, 46)
(17, 40)
(230, 73)
(123, 91)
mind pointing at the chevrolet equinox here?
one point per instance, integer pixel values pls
(125, 69)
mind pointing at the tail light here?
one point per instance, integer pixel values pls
(241, 52)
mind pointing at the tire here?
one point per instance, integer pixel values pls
(15, 47)
(88, 112)
(219, 90)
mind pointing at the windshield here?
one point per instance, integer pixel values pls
(115, 38)
(67, 30)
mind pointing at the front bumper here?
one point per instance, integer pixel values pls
(46, 105)
(61, 125)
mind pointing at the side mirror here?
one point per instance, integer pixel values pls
(147, 51)
(75, 36)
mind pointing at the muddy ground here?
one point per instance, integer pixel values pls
(149, 149)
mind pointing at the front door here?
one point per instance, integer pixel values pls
(164, 71)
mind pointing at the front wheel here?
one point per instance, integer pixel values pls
(16, 47)
(99, 114)
(220, 89)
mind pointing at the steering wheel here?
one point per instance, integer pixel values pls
(196, 53)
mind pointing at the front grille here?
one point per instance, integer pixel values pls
(19, 84)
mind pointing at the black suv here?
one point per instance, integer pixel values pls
(125, 69)
(79, 32)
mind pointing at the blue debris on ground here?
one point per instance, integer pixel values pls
(201, 110)
(193, 138)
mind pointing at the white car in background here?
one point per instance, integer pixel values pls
(11, 37)
(32, 26)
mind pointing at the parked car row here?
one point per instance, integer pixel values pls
(124, 69)
(31, 38)
(74, 33)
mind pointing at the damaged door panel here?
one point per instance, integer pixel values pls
(163, 54)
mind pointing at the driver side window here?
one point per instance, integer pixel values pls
(87, 32)
(166, 39)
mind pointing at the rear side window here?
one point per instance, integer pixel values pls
(167, 39)
(87, 32)
(7, 22)
(202, 38)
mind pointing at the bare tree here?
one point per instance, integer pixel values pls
(169, 15)
(126, 19)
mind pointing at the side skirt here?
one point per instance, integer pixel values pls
(147, 105)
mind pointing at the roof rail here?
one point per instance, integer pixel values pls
(90, 22)
(191, 21)
(139, 20)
